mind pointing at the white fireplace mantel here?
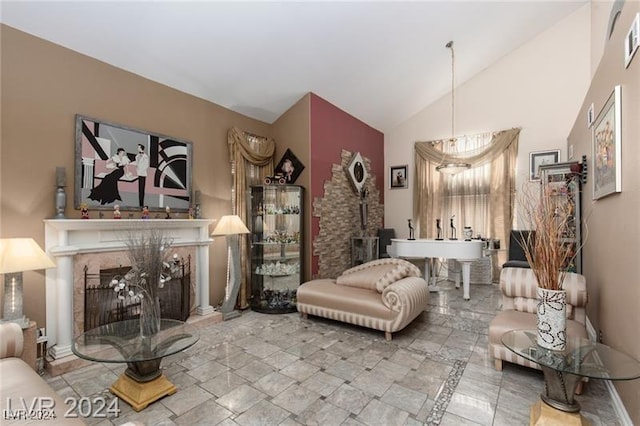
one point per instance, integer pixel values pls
(65, 238)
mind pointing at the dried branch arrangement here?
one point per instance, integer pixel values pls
(549, 252)
(151, 266)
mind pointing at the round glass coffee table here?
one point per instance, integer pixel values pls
(563, 370)
(121, 342)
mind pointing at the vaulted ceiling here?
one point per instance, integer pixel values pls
(380, 61)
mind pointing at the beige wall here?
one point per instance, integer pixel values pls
(43, 87)
(291, 130)
(612, 249)
(538, 87)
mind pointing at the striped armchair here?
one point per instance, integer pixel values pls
(519, 305)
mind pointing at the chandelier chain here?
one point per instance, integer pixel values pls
(453, 96)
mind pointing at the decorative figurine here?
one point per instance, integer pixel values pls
(84, 211)
(468, 233)
(411, 237)
(364, 211)
(439, 229)
(116, 212)
(145, 212)
(191, 214)
(168, 210)
(453, 229)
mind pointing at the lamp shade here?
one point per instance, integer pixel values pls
(22, 254)
(230, 225)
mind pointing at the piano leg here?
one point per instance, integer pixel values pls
(466, 277)
(430, 274)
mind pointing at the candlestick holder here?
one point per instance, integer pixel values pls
(61, 202)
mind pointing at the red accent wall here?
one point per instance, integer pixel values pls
(333, 130)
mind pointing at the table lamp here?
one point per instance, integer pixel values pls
(16, 256)
(231, 226)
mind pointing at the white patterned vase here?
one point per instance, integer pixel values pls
(552, 319)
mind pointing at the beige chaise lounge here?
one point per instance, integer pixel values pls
(385, 294)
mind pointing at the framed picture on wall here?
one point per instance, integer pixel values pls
(607, 173)
(538, 158)
(398, 178)
(131, 168)
(289, 167)
(632, 41)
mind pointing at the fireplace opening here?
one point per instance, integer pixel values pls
(102, 305)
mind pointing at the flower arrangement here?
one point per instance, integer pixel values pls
(548, 253)
(151, 269)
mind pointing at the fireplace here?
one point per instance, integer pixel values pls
(102, 305)
(97, 244)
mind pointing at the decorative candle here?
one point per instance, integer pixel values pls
(61, 176)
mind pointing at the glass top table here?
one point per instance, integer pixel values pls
(143, 381)
(564, 369)
(121, 341)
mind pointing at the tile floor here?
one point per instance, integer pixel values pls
(263, 369)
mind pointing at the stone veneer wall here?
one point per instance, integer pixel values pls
(339, 213)
(97, 261)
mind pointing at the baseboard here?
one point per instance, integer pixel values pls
(618, 406)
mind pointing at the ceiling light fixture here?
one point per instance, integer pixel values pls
(455, 167)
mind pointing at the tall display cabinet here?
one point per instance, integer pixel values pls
(275, 213)
(564, 181)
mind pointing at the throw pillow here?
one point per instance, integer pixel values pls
(365, 278)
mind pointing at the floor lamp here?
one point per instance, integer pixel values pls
(232, 227)
(16, 256)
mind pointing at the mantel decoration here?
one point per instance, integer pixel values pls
(151, 268)
(548, 256)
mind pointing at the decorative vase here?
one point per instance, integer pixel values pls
(552, 319)
(149, 316)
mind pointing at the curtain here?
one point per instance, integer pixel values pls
(481, 197)
(251, 158)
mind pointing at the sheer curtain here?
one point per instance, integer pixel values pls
(481, 197)
(251, 159)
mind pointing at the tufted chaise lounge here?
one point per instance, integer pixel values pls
(519, 306)
(384, 294)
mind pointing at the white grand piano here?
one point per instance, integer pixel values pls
(464, 252)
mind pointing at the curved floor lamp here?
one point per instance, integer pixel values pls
(18, 255)
(232, 227)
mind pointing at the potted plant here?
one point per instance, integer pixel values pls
(549, 254)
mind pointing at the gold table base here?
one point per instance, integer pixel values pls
(544, 415)
(140, 394)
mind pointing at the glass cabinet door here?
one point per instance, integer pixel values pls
(276, 247)
(563, 181)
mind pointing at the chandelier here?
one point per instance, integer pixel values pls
(452, 168)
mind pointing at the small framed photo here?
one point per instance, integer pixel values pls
(538, 158)
(632, 41)
(398, 178)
